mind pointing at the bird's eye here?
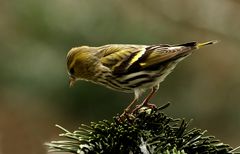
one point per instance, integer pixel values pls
(71, 71)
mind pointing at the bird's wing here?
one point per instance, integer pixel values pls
(124, 58)
(120, 57)
(158, 55)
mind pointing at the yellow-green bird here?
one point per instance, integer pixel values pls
(128, 68)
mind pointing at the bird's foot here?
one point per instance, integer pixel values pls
(125, 115)
(149, 105)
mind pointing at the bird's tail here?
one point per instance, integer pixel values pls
(199, 45)
(195, 45)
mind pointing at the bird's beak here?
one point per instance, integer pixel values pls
(71, 81)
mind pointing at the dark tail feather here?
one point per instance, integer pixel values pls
(189, 44)
(198, 45)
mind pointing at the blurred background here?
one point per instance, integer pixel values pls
(35, 37)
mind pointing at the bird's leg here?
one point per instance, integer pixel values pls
(126, 111)
(146, 100)
(130, 105)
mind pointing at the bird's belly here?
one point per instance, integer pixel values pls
(139, 80)
(154, 78)
(113, 84)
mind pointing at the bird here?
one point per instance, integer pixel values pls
(128, 68)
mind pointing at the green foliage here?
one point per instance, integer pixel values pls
(148, 131)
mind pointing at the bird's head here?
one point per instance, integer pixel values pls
(80, 62)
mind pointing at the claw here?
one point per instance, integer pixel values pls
(125, 115)
(151, 106)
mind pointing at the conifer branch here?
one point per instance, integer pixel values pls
(148, 132)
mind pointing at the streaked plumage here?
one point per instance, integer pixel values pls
(127, 68)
